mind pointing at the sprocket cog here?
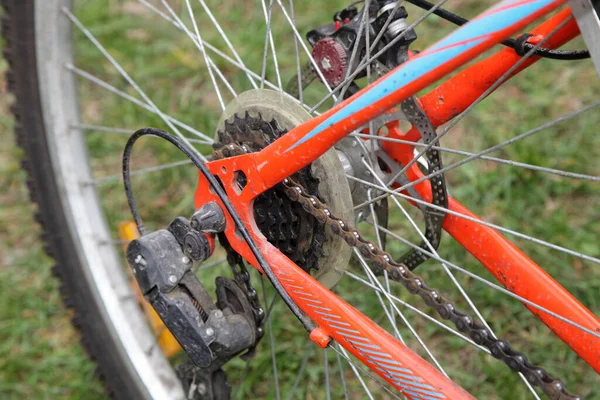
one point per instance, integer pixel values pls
(284, 223)
(253, 120)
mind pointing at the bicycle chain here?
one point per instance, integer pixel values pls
(242, 278)
(500, 349)
(398, 272)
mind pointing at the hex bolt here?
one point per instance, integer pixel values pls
(209, 331)
(209, 218)
(185, 260)
(218, 314)
(173, 279)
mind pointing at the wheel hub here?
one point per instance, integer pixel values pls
(255, 119)
(332, 59)
(284, 223)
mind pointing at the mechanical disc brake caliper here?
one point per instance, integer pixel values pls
(386, 17)
(333, 44)
(210, 333)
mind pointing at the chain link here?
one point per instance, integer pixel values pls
(236, 261)
(242, 277)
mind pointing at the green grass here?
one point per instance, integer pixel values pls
(40, 356)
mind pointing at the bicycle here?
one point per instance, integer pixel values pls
(282, 190)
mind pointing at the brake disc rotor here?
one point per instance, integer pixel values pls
(333, 186)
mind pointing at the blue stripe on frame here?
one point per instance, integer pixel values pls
(460, 41)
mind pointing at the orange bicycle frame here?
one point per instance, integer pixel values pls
(335, 319)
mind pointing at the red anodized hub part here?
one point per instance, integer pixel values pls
(332, 59)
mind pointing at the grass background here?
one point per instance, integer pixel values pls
(39, 352)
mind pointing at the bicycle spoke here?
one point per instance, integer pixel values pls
(385, 274)
(390, 192)
(446, 270)
(493, 148)
(263, 70)
(247, 365)
(412, 330)
(387, 312)
(367, 56)
(308, 52)
(112, 89)
(416, 310)
(99, 128)
(355, 368)
(121, 131)
(326, 367)
(342, 378)
(198, 42)
(271, 343)
(141, 171)
(361, 28)
(209, 64)
(129, 80)
(492, 285)
(391, 315)
(432, 249)
(297, 54)
(307, 354)
(493, 87)
(227, 41)
(243, 376)
(270, 42)
(513, 163)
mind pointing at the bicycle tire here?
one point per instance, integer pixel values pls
(113, 369)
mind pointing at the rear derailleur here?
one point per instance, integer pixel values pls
(210, 333)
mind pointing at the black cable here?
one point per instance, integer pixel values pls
(189, 152)
(127, 184)
(520, 48)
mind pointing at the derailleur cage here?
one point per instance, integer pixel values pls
(210, 333)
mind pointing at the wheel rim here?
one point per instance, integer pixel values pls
(103, 265)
